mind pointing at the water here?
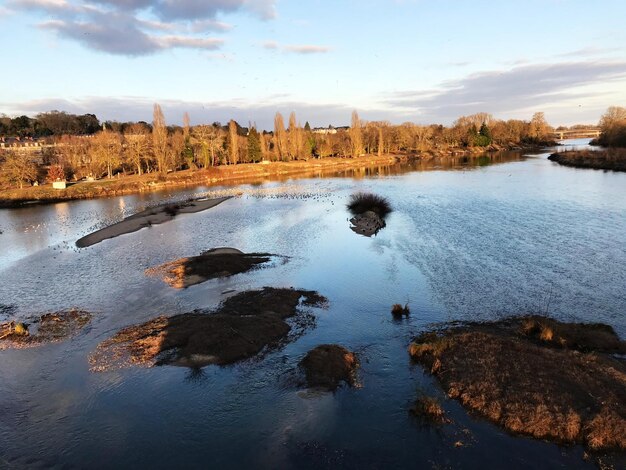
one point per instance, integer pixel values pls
(464, 242)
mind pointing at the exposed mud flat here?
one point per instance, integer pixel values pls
(152, 216)
(240, 328)
(49, 328)
(218, 262)
(328, 365)
(563, 382)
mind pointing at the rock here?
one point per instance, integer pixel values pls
(243, 325)
(368, 223)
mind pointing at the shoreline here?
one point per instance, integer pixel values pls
(226, 174)
(613, 159)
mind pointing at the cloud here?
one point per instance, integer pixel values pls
(307, 49)
(298, 49)
(141, 27)
(510, 92)
(243, 111)
(269, 45)
(120, 36)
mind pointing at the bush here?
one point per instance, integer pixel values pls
(363, 202)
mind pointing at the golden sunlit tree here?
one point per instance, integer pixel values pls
(106, 150)
(613, 127)
(355, 133)
(159, 139)
(295, 138)
(539, 129)
(136, 146)
(19, 168)
(280, 137)
(233, 142)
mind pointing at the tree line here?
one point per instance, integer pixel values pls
(139, 147)
(612, 128)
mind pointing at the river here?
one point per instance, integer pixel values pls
(476, 240)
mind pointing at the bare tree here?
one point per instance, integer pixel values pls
(136, 146)
(159, 139)
(280, 137)
(355, 133)
(106, 148)
(233, 142)
(175, 147)
(295, 138)
(539, 128)
(186, 125)
(19, 168)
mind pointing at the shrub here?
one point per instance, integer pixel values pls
(363, 202)
(56, 173)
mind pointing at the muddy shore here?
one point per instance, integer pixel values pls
(49, 328)
(215, 263)
(240, 328)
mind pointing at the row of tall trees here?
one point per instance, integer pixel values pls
(48, 124)
(137, 148)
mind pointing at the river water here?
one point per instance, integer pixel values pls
(476, 239)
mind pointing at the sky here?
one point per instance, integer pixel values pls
(423, 61)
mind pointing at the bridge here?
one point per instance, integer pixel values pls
(591, 132)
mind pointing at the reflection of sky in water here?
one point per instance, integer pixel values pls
(460, 245)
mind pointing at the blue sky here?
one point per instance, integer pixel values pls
(412, 60)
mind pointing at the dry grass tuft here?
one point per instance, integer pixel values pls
(397, 310)
(429, 409)
(362, 202)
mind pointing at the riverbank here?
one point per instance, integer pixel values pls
(244, 173)
(606, 159)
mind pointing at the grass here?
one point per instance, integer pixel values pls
(607, 159)
(535, 376)
(363, 202)
(397, 310)
(429, 409)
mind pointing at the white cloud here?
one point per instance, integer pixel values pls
(297, 49)
(511, 92)
(307, 49)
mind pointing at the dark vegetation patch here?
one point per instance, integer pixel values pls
(363, 202)
(49, 328)
(397, 310)
(240, 328)
(326, 366)
(429, 410)
(535, 376)
(608, 159)
(211, 264)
